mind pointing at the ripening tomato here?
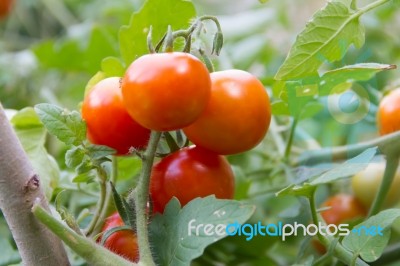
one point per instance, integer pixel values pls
(389, 113)
(190, 173)
(123, 243)
(5, 7)
(366, 183)
(166, 91)
(237, 116)
(108, 122)
(344, 208)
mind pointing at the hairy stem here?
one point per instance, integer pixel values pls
(93, 254)
(19, 187)
(100, 206)
(141, 196)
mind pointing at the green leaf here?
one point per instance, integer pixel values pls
(74, 156)
(170, 231)
(85, 177)
(112, 67)
(280, 108)
(98, 151)
(67, 126)
(311, 109)
(348, 168)
(158, 14)
(32, 136)
(371, 245)
(71, 55)
(85, 166)
(326, 38)
(349, 74)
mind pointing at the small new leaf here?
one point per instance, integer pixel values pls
(67, 126)
(98, 151)
(74, 156)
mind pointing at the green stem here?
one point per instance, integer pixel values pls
(339, 251)
(100, 206)
(93, 254)
(108, 197)
(141, 196)
(371, 6)
(290, 140)
(392, 163)
(214, 19)
(387, 144)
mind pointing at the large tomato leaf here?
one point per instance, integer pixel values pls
(170, 234)
(325, 38)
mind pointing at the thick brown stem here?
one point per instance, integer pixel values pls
(19, 187)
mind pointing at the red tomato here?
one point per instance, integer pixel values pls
(190, 173)
(166, 91)
(108, 122)
(344, 208)
(5, 7)
(389, 113)
(123, 243)
(237, 116)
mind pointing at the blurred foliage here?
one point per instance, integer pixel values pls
(50, 49)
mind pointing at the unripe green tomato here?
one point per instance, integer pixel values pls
(366, 183)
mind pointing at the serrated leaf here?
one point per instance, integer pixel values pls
(32, 135)
(158, 14)
(67, 126)
(98, 151)
(85, 166)
(371, 245)
(74, 156)
(326, 38)
(170, 231)
(348, 168)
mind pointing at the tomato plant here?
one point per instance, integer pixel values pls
(366, 183)
(190, 173)
(343, 208)
(122, 242)
(108, 122)
(237, 116)
(388, 113)
(166, 91)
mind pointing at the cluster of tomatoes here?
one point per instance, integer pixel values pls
(221, 113)
(345, 208)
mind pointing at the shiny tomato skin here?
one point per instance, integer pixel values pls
(344, 208)
(108, 122)
(389, 113)
(190, 173)
(123, 243)
(166, 91)
(5, 7)
(237, 116)
(365, 185)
